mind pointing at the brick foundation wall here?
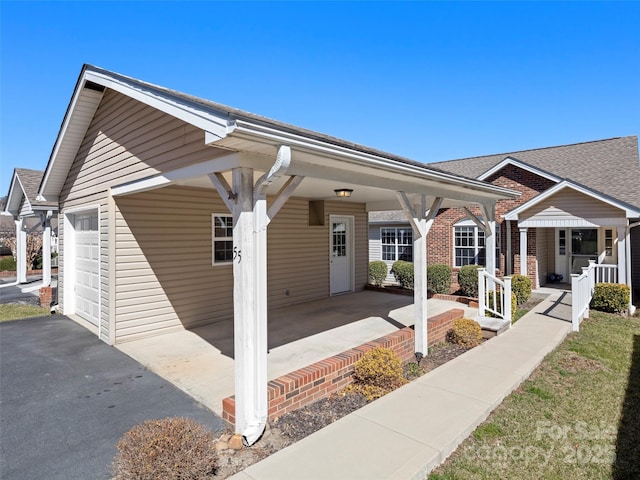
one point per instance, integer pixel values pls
(321, 379)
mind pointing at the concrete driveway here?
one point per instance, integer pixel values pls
(66, 398)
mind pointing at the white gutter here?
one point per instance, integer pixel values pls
(305, 143)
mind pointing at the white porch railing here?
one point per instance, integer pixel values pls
(606, 273)
(489, 303)
(582, 287)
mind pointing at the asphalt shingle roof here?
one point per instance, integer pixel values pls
(610, 166)
(30, 180)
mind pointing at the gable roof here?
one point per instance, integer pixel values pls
(24, 187)
(236, 130)
(610, 166)
(629, 211)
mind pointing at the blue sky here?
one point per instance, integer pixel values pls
(429, 81)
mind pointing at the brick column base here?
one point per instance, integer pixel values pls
(46, 295)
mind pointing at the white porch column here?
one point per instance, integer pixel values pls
(622, 256)
(420, 287)
(46, 249)
(523, 251)
(490, 239)
(421, 221)
(249, 308)
(21, 251)
(509, 259)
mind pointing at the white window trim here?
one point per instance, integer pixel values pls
(396, 254)
(470, 223)
(214, 239)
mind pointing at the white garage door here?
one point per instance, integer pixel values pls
(87, 267)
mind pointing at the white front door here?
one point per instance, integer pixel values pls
(341, 253)
(87, 267)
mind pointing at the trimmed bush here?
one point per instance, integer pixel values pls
(514, 305)
(611, 297)
(8, 263)
(439, 278)
(521, 286)
(378, 372)
(377, 272)
(465, 332)
(171, 448)
(403, 271)
(468, 280)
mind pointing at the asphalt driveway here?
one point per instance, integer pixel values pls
(66, 398)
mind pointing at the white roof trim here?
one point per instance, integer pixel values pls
(218, 126)
(629, 211)
(15, 196)
(519, 164)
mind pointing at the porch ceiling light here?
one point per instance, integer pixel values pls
(343, 192)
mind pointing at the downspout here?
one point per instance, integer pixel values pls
(256, 423)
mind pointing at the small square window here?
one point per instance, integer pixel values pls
(222, 232)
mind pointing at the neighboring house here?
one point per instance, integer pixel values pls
(30, 214)
(578, 202)
(178, 212)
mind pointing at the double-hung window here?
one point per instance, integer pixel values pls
(222, 229)
(469, 245)
(397, 244)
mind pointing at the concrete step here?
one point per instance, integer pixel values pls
(491, 326)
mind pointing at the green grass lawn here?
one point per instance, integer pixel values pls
(576, 417)
(16, 311)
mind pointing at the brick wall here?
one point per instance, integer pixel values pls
(321, 379)
(440, 237)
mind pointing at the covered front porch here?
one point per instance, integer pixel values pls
(200, 361)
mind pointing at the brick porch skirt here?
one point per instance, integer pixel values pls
(321, 379)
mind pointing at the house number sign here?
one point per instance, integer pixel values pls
(237, 254)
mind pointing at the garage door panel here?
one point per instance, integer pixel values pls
(87, 267)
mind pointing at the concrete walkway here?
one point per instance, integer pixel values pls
(409, 432)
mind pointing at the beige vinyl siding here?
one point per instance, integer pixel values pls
(25, 207)
(126, 141)
(568, 204)
(298, 254)
(164, 277)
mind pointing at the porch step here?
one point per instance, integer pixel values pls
(491, 326)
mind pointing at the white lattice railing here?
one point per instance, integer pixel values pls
(488, 302)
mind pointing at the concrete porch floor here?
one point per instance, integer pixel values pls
(200, 361)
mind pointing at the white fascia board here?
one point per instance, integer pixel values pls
(352, 156)
(198, 117)
(519, 164)
(216, 126)
(513, 214)
(60, 140)
(15, 196)
(573, 223)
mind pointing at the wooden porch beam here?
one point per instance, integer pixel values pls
(224, 190)
(283, 196)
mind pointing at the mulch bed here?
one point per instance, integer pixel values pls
(296, 425)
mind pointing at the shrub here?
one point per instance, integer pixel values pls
(171, 448)
(403, 271)
(468, 280)
(611, 297)
(377, 373)
(8, 263)
(521, 286)
(439, 278)
(377, 272)
(465, 332)
(514, 305)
